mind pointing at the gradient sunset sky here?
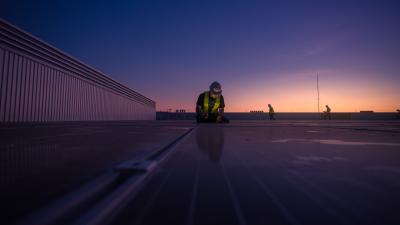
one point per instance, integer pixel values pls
(260, 51)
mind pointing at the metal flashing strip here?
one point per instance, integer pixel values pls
(108, 208)
(135, 166)
(105, 195)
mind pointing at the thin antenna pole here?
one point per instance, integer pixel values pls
(318, 90)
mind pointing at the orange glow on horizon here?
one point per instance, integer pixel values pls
(343, 93)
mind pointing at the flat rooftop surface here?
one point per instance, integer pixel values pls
(277, 173)
(245, 172)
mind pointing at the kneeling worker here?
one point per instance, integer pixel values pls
(210, 105)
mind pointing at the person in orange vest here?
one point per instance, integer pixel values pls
(210, 105)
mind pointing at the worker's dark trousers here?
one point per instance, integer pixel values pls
(211, 119)
(271, 116)
(327, 116)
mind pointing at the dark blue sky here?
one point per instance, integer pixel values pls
(261, 51)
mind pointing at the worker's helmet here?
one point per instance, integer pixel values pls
(215, 88)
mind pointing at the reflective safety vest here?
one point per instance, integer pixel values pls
(206, 103)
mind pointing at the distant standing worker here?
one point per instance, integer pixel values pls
(210, 105)
(271, 112)
(327, 113)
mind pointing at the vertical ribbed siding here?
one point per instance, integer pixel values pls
(23, 92)
(40, 84)
(35, 92)
(10, 90)
(3, 64)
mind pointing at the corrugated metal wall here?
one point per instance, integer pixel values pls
(39, 83)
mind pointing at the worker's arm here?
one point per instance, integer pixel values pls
(221, 111)
(199, 103)
(220, 114)
(199, 106)
(221, 107)
(199, 110)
